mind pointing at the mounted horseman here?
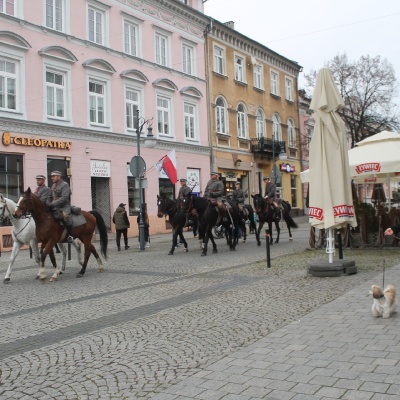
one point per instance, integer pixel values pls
(214, 191)
(42, 190)
(59, 202)
(269, 195)
(238, 197)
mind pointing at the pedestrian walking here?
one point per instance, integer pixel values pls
(146, 225)
(121, 221)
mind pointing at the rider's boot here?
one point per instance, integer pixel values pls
(70, 237)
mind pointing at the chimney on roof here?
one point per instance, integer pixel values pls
(230, 24)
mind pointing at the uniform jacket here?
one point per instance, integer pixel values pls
(60, 197)
(270, 189)
(214, 189)
(43, 192)
(238, 196)
(120, 219)
(184, 191)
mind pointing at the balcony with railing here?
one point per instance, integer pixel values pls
(267, 148)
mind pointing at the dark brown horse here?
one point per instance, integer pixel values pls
(266, 214)
(49, 232)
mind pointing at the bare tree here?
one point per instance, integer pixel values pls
(368, 87)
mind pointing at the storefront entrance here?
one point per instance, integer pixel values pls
(101, 198)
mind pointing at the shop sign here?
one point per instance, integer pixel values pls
(288, 168)
(100, 169)
(35, 142)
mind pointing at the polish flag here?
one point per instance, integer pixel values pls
(168, 164)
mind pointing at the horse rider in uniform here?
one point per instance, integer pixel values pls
(60, 200)
(269, 195)
(42, 190)
(214, 191)
(184, 191)
(238, 197)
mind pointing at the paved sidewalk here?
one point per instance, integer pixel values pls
(338, 351)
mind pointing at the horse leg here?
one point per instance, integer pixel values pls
(85, 260)
(42, 271)
(182, 238)
(97, 257)
(205, 241)
(56, 269)
(15, 250)
(278, 231)
(174, 242)
(64, 256)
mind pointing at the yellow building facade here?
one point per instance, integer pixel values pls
(253, 114)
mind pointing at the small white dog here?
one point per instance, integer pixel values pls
(384, 302)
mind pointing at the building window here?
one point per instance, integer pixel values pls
(276, 127)
(239, 70)
(257, 76)
(221, 114)
(260, 124)
(241, 121)
(274, 83)
(187, 59)
(97, 102)
(133, 197)
(190, 121)
(55, 92)
(131, 35)
(131, 107)
(291, 133)
(161, 46)
(7, 7)
(8, 85)
(96, 24)
(163, 115)
(293, 185)
(11, 178)
(289, 89)
(219, 57)
(55, 14)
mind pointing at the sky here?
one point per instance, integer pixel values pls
(312, 32)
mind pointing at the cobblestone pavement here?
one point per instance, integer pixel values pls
(224, 326)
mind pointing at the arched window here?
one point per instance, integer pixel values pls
(241, 121)
(276, 127)
(260, 124)
(221, 116)
(291, 133)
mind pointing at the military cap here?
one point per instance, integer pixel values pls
(122, 205)
(40, 177)
(238, 183)
(213, 173)
(266, 177)
(56, 173)
(183, 180)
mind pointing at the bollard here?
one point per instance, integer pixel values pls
(30, 252)
(339, 237)
(69, 251)
(268, 248)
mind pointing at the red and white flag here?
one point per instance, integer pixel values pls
(168, 164)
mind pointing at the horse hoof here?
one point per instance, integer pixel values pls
(243, 241)
(37, 277)
(53, 279)
(215, 251)
(60, 273)
(170, 253)
(6, 280)
(203, 254)
(79, 275)
(258, 243)
(100, 270)
(290, 238)
(186, 250)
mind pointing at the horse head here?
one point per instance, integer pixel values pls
(26, 203)
(165, 206)
(259, 203)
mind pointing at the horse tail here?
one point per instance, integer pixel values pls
(290, 222)
(101, 225)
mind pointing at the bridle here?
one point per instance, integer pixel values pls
(165, 210)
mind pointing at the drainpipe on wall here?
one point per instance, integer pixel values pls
(213, 166)
(300, 142)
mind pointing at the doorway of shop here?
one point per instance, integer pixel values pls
(101, 198)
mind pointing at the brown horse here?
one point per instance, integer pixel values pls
(50, 232)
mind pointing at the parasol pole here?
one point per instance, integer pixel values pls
(388, 183)
(330, 246)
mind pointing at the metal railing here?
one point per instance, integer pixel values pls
(265, 147)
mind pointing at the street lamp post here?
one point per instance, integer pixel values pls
(282, 156)
(140, 122)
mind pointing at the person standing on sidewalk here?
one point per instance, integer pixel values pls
(146, 222)
(121, 221)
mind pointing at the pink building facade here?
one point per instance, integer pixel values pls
(74, 76)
